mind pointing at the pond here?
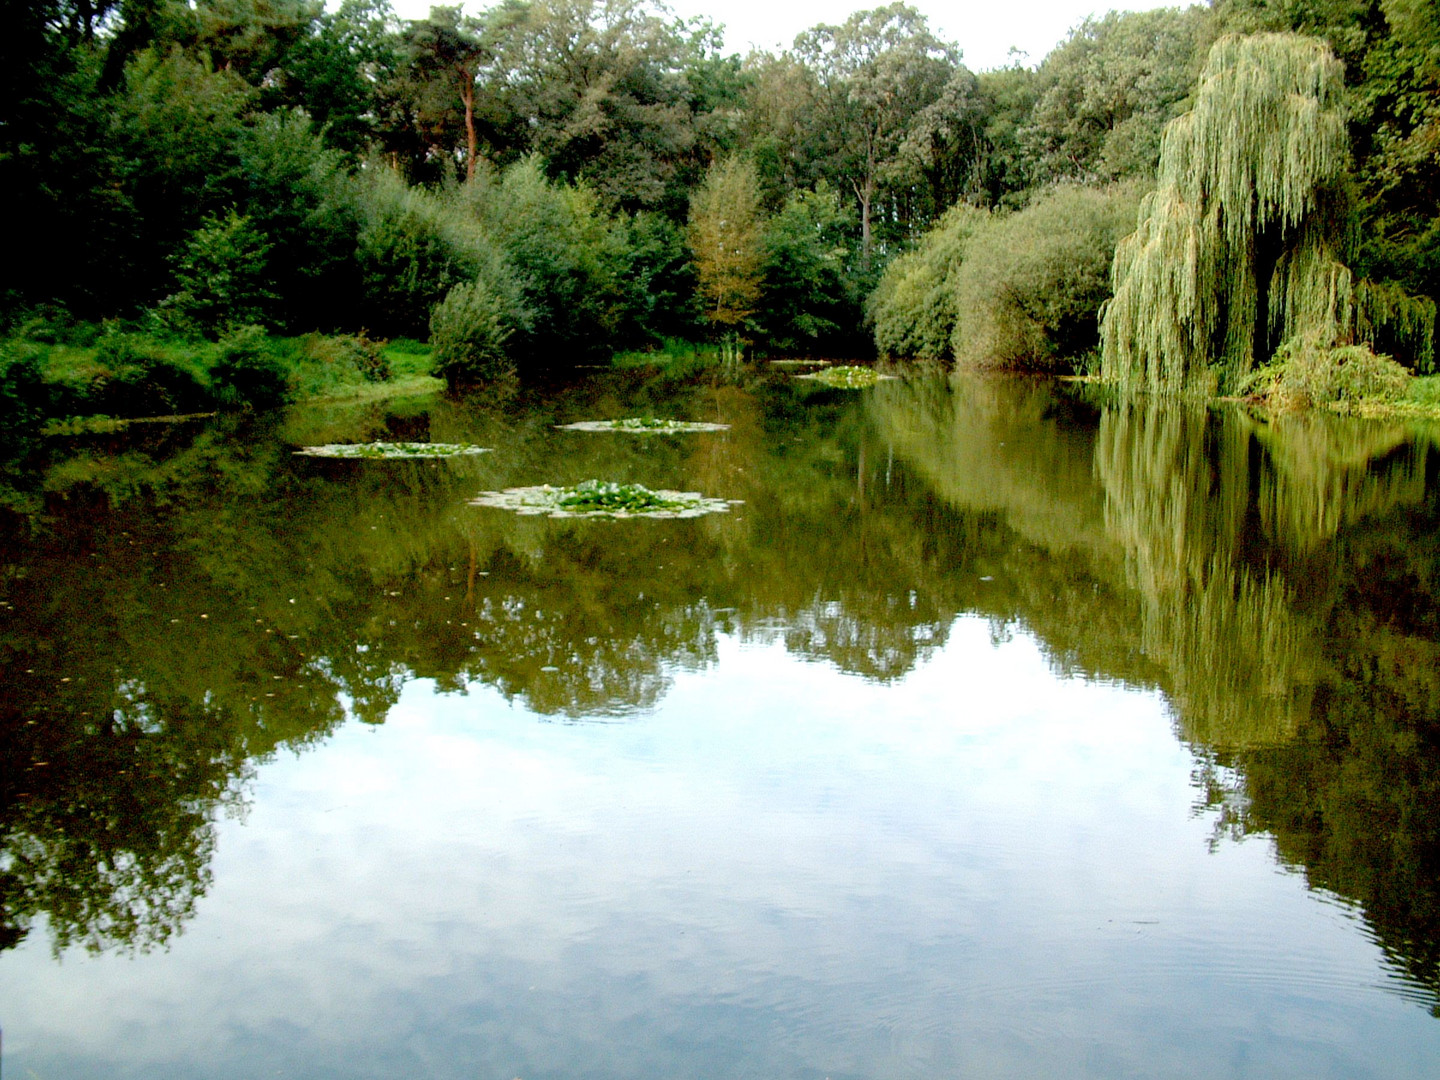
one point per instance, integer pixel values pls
(994, 729)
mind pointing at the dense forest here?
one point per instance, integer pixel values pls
(208, 197)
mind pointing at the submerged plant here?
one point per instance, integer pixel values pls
(392, 450)
(602, 498)
(644, 425)
(847, 377)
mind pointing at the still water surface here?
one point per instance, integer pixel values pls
(997, 732)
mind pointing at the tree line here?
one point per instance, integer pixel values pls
(540, 181)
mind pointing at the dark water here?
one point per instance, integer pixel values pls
(997, 733)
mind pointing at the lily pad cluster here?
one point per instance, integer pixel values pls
(847, 377)
(601, 498)
(392, 450)
(644, 425)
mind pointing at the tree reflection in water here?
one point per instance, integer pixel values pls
(180, 609)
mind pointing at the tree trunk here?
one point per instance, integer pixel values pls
(467, 94)
(866, 194)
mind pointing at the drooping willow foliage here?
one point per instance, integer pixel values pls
(1240, 245)
(1392, 320)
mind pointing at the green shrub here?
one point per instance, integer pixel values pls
(1306, 372)
(567, 256)
(350, 354)
(414, 247)
(222, 277)
(50, 324)
(912, 310)
(25, 396)
(468, 331)
(248, 372)
(135, 375)
(1030, 286)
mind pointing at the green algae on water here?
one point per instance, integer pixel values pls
(386, 451)
(601, 498)
(847, 377)
(642, 425)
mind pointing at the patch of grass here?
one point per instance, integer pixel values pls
(408, 357)
(1423, 390)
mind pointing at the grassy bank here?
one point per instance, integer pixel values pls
(91, 377)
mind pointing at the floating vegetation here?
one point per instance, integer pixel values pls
(391, 450)
(644, 425)
(601, 498)
(847, 377)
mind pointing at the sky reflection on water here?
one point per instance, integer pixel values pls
(997, 732)
(983, 869)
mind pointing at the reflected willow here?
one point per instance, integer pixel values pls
(1242, 661)
(1321, 475)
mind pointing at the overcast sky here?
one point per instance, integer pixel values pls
(985, 29)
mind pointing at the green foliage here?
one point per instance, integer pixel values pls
(619, 95)
(138, 375)
(725, 235)
(1240, 244)
(177, 128)
(873, 74)
(676, 357)
(1307, 372)
(565, 255)
(299, 198)
(341, 359)
(222, 276)
(1424, 390)
(608, 497)
(912, 310)
(660, 299)
(25, 398)
(1106, 93)
(414, 246)
(469, 331)
(846, 377)
(333, 71)
(1030, 285)
(248, 373)
(1392, 320)
(809, 305)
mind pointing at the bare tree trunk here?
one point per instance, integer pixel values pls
(866, 194)
(467, 94)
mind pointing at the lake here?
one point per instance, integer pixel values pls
(996, 729)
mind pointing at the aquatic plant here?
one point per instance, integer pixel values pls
(847, 377)
(601, 498)
(644, 425)
(392, 450)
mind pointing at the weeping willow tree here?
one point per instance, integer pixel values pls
(1241, 245)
